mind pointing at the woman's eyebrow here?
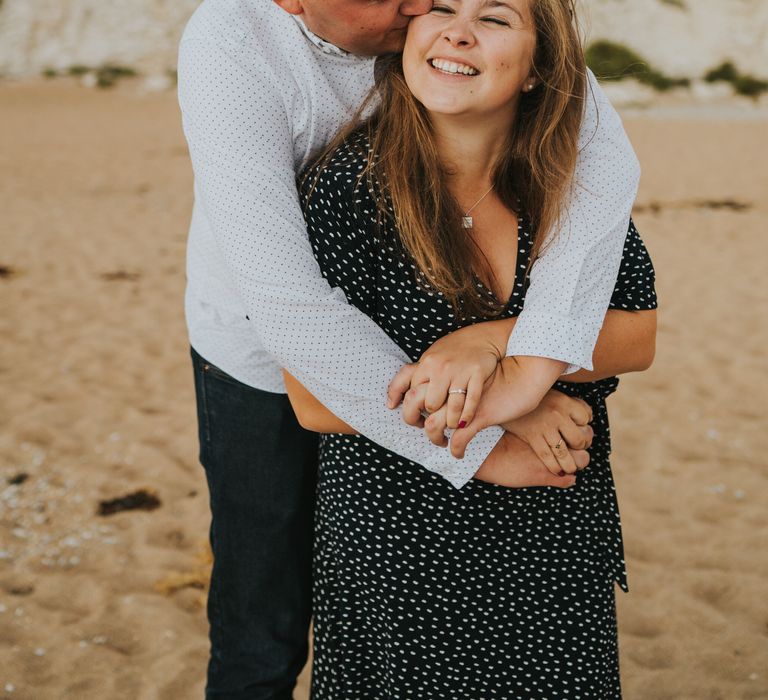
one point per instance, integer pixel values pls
(501, 3)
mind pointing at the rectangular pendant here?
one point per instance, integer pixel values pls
(466, 221)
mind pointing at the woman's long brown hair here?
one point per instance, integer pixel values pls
(535, 170)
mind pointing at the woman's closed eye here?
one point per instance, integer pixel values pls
(444, 10)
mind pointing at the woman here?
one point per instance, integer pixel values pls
(422, 590)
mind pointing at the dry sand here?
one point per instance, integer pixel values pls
(97, 402)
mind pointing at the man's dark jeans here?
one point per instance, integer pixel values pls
(261, 467)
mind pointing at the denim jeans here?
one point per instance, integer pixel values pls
(261, 467)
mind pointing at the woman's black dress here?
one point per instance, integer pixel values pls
(425, 591)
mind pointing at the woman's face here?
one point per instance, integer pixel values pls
(471, 57)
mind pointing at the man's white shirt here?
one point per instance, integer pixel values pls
(259, 96)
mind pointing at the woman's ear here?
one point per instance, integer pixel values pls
(293, 7)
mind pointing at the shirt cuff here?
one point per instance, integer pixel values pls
(570, 340)
(459, 472)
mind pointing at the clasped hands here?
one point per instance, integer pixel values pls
(547, 432)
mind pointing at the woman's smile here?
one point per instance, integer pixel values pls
(448, 66)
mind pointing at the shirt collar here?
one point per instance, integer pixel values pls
(322, 44)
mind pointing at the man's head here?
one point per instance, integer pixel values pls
(362, 27)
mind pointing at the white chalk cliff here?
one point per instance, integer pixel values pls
(683, 38)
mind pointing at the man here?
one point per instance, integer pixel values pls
(262, 86)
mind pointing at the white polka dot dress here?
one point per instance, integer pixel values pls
(425, 591)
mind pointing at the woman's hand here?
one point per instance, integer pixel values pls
(559, 425)
(463, 360)
(512, 463)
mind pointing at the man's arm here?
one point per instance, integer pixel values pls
(513, 463)
(572, 281)
(240, 139)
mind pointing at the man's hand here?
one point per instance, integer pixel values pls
(463, 360)
(558, 425)
(517, 387)
(514, 464)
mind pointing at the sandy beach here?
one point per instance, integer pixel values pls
(97, 403)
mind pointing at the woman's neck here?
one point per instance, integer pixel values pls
(470, 149)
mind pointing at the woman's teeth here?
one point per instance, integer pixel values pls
(450, 67)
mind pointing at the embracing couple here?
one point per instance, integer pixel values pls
(412, 281)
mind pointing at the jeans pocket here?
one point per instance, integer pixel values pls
(212, 371)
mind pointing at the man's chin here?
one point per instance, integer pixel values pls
(395, 45)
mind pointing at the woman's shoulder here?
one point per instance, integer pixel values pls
(342, 169)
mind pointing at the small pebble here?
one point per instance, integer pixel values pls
(70, 542)
(2, 608)
(753, 676)
(40, 651)
(74, 561)
(99, 640)
(18, 612)
(9, 687)
(4, 554)
(713, 434)
(82, 643)
(20, 532)
(719, 488)
(738, 493)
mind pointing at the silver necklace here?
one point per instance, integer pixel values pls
(467, 221)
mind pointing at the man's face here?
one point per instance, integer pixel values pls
(362, 27)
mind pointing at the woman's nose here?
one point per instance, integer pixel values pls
(459, 33)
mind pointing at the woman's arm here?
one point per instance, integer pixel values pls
(310, 413)
(627, 343)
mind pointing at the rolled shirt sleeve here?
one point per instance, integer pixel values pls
(572, 280)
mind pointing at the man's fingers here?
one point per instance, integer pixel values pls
(437, 393)
(471, 400)
(413, 404)
(560, 482)
(400, 385)
(435, 427)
